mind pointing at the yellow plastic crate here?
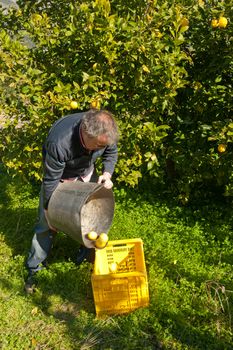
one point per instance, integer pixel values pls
(126, 289)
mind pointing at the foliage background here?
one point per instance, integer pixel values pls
(160, 66)
(167, 75)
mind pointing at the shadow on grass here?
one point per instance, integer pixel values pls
(65, 292)
(17, 221)
(213, 214)
(183, 330)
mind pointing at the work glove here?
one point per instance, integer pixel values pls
(105, 179)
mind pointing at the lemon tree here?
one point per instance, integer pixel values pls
(164, 68)
(95, 54)
(201, 142)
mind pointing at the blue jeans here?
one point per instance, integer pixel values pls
(42, 240)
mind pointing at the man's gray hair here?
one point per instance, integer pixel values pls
(100, 122)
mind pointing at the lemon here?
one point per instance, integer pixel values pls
(92, 235)
(201, 3)
(103, 237)
(102, 241)
(74, 104)
(214, 23)
(113, 267)
(95, 104)
(222, 22)
(100, 244)
(222, 148)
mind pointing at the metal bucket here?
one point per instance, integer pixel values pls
(76, 208)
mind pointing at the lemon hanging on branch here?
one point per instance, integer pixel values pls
(222, 22)
(95, 104)
(222, 148)
(214, 23)
(73, 105)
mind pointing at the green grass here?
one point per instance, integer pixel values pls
(189, 257)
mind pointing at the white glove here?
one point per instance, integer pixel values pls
(105, 179)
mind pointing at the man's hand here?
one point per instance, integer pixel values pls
(46, 216)
(105, 179)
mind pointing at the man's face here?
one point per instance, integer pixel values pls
(93, 144)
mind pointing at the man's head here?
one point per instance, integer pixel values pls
(99, 129)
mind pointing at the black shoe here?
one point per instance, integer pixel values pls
(30, 284)
(85, 254)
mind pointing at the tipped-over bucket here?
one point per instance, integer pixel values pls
(76, 208)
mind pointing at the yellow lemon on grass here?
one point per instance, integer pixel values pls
(214, 23)
(113, 267)
(92, 235)
(222, 22)
(222, 148)
(74, 104)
